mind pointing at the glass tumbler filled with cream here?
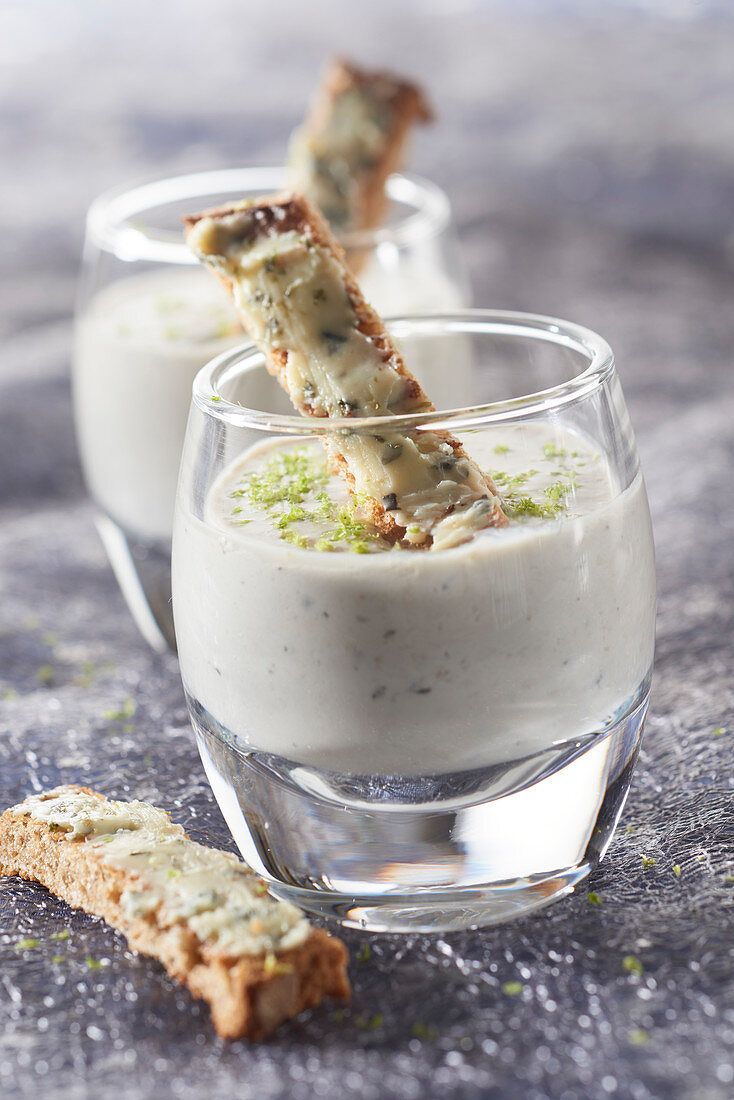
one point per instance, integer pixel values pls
(416, 643)
(149, 318)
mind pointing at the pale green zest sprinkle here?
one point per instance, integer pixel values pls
(94, 964)
(295, 539)
(291, 489)
(553, 502)
(364, 953)
(169, 305)
(421, 1031)
(370, 1023)
(676, 870)
(57, 958)
(729, 880)
(632, 965)
(516, 505)
(224, 328)
(512, 481)
(26, 945)
(718, 732)
(86, 675)
(630, 828)
(45, 674)
(501, 449)
(512, 989)
(557, 492)
(174, 873)
(594, 898)
(285, 479)
(273, 966)
(216, 397)
(550, 450)
(638, 1037)
(127, 710)
(647, 862)
(64, 935)
(10, 693)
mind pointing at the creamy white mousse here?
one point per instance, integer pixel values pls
(218, 896)
(394, 661)
(138, 347)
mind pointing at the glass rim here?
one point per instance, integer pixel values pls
(111, 224)
(600, 367)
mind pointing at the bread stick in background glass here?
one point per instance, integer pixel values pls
(202, 912)
(354, 136)
(333, 355)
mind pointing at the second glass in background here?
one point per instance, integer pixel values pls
(149, 318)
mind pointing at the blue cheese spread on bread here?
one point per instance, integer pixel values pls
(218, 896)
(333, 355)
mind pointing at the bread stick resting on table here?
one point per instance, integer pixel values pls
(202, 912)
(333, 355)
(352, 139)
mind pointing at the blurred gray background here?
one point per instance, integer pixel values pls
(588, 149)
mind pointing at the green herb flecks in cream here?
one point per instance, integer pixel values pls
(290, 488)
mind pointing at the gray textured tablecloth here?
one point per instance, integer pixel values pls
(589, 153)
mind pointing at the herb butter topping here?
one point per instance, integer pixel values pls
(221, 900)
(291, 292)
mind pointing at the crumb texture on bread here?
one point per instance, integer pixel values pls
(334, 356)
(353, 137)
(202, 912)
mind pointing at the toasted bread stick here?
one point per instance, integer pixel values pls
(334, 357)
(201, 912)
(352, 139)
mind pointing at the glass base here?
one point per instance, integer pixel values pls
(143, 572)
(425, 853)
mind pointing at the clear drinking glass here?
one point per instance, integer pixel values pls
(422, 740)
(149, 318)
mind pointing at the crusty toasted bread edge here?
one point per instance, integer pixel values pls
(247, 998)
